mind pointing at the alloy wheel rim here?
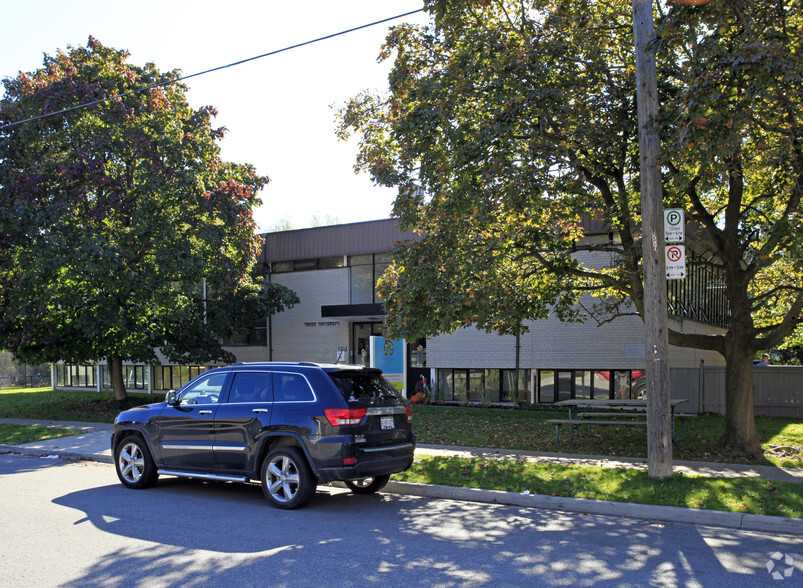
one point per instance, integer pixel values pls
(131, 462)
(283, 480)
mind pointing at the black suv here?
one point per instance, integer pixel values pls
(290, 425)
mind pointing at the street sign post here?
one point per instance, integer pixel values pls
(656, 340)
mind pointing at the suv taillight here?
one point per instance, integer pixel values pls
(340, 417)
(409, 414)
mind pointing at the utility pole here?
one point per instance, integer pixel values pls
(659, 425)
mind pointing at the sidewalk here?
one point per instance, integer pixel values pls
(93, 445)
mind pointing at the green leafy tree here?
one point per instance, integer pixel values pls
(509, 125)
(121, 229)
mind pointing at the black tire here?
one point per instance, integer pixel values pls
(134, 464)
(368, 485)
(287, 480)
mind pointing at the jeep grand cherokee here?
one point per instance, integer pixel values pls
(290, 425)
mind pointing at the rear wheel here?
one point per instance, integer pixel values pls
(368, 485)
(134, 464)
(287, 480)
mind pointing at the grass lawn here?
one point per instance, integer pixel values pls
(743, 495)
(782, 439)
(19, 434)
(45, 404)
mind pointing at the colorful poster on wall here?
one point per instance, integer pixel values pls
(390, 356)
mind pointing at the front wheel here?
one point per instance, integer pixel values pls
(287, 480)
(368, 485)
(134, 464)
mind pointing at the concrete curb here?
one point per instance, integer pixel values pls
(692, 516)
(36, 452)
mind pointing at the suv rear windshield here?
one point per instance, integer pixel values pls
(367, 389)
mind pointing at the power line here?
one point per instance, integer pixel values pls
(201, 73)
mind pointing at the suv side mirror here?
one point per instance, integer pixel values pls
(171, 397)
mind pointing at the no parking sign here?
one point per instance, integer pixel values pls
(675, 262)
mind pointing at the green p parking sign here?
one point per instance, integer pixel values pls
(674, 225)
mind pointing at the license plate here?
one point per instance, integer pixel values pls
(387, 423)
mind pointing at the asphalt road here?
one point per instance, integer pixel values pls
(72, 524)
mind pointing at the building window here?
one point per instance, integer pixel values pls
(279, 267)
(583, 384)
(418, 353)
(509, 392)
(305, 265)
(301, 265)
(476, 386)
(76, 376)
(256, 335)
(556, 385)
(365, 271)
(331, 262)
(460, 386)
(361, 334)
(362, 279)
(134, 377)
(546, 385)
(601, 385)
(445, 387)
(173, 377)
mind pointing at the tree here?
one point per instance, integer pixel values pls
(508, 125)
(121, 229)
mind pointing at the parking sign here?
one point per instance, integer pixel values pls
(674, 225)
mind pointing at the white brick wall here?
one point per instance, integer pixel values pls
(551, 344)
(249, 352)
(300, 334)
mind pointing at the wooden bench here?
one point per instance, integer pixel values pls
(574, 423)
(616, 415)
(584, 420)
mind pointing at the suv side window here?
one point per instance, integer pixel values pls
(290, 387)
(204, 391)
(250, 387)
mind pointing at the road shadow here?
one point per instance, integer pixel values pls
(12, 462)
(201, 533)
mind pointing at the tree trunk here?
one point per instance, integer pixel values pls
(115, 363)
(740, 424)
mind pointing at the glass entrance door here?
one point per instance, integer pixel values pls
(360, 341)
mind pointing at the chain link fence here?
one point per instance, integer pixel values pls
(14, 374)
(31, 381)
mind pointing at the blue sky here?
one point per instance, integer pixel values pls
(277, 109)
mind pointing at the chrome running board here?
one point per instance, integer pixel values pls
(217, 477)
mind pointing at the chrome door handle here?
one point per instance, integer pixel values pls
(259, 410)
(204, 412)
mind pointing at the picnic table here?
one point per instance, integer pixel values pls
(584, 411)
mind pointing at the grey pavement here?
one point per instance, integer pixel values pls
(94, 440)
